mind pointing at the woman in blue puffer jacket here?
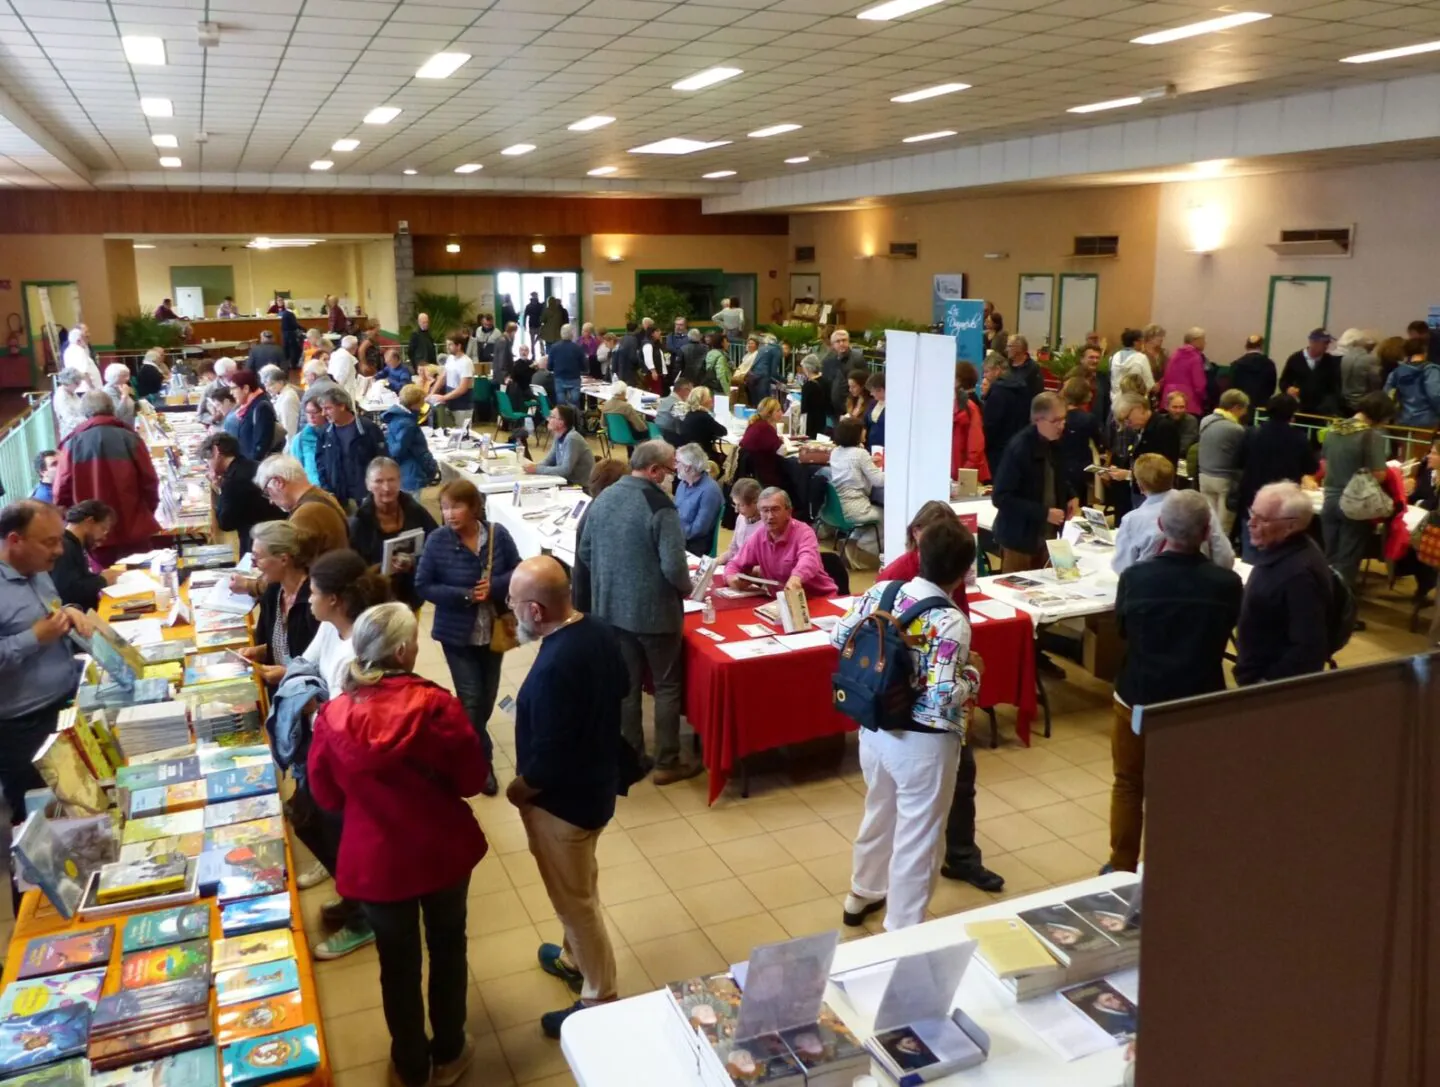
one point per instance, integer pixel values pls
(406, 441)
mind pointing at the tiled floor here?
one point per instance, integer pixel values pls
(690, 889)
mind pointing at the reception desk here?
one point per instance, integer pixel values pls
(245, 329)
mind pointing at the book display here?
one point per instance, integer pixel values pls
(159, 940)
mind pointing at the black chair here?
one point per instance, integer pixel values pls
(835, 566)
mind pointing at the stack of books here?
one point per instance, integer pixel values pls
(200, 556)
(111, 695)
(126, 881)
(152, 1022)
(159, 726)
(229, 723)
(44, 1039)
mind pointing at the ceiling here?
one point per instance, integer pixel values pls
(292, 76)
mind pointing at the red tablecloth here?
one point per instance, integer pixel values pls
(739, 707)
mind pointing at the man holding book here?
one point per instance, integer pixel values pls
(785, 555)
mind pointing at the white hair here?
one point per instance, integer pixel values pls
(70, 377)
(1185, 518)
(96, 403)
(692, 456)
(567, 332)
(271, 374)
(777, 492)
(117, 373)
(279, 466)
(225, 367)
(1294, 504)
(349, 343)
(377, 638)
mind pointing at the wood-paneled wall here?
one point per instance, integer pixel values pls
(324, 214)
(491, 252)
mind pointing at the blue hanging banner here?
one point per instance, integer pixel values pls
(965, 320)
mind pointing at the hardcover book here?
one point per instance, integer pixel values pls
(32, 1040)
(261, 914)
(123, 1050)
(253, 948)
(132, 1009)
(192, 1068)
(72, 951)
(255, 982)
(241, 782)
(42, 994)
(43, 861)
(266, 806)
(162, 927)
(243, 869)
(162, 875)
(67, 776)
(162, 964)
(271, 1057)
(257, 1017)
(70, 1073)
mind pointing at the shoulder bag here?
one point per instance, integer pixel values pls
(1363, 498)
(503, 637)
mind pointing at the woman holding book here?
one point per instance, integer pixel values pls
(387, 512)
(287, 625)
(395, 754)
(465, 572)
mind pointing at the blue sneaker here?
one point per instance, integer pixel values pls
(552, 961)
(551, 1022)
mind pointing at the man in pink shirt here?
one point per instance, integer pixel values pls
(786, 553)
(1185, 373)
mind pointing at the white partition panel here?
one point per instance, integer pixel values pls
(919, 401)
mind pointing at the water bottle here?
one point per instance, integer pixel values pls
(709, 613)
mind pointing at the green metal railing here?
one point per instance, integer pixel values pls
(21, 439)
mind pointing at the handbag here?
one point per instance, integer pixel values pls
(1364, 499)
(1426, 540)
(503, 635)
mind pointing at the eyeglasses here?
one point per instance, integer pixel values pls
(1257, 518)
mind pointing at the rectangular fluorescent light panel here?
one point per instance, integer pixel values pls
(518, 149)
(1114, 103)
(452, 247)
(1194, 30)
(157, 107)
(382, 115)
(708, 78)
(344, 145)
(590, 124)
(441, 65)
(142, 245)
(170, 162)
(1392, 54)
(797, 160)
(164, 141)
(773, 130)
(144, 50)
(602, 171)
(894, 9)
(931, 92)
(468, 168)
(676, 145)
(321, 164)
(716, 175)
(929, 136)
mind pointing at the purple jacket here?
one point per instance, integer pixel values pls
(1185, 373)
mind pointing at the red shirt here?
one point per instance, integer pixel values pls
(907, 568)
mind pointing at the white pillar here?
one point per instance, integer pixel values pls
(919, 406)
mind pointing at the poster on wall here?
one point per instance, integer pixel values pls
(600, 286)
(945, 289)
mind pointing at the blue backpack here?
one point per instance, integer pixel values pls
(875, 685)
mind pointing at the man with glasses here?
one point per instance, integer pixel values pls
(1285, 617)
(630, 570)
(785, 554)
(1031, 495)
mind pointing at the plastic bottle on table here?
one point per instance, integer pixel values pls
(709, 613)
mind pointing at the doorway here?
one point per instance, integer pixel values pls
(1297, 304)
(51, 308)
(562, 285)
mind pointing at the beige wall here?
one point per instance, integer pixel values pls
(740, 254)
(1389, 280)
(1035, 230)
(377, 282)
(120, 274)
(308, 274)
(77, 257)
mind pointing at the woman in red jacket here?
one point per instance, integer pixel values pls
(762, 444)
(967, 431)
(397, 756)
(907, 566)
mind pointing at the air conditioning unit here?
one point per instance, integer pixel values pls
(1096, 245)
(804, 254)
(904, 250)
(1335, 241)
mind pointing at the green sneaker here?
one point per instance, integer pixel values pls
(343, 941)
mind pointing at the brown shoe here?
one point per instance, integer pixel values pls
(669, 775)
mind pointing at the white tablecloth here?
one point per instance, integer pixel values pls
(604, 1049)
(530, 523)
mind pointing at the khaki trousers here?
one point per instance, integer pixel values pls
(565, 855)
(1127, 795)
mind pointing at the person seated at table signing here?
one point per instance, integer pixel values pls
(1140, 537)
(875, 418)
(700, 427)
(855, 478)
(786, 553)
(396, 757)
(671, 408)
(762, 445)
(386, 512)
(78, 578)
(396, 373)
(697, 498)
(283, 554)
(152, 377)
(745, 497)
(405, 441)
(619, 404)
(570, 457)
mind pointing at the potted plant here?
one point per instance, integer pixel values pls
(136, 331)
(447, 312)
(661, 304)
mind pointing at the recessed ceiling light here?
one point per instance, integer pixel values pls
(602, 171)
(1113, 103)
(929, 136)
(411, 173)
(164, 141)
(143, 50)
(894, 9)
(1392, 54)
(538, 247)
(676, 145)
(1209, 26)
(468, 168)
(441, 65)
(708, 78)
(157, 107)
(797, 160)
(518, 149)
(718, 174)
(344, 145)
(931, 92)
(589, 124)
(170, 162)
(321, 164)
(142, 245)
(452, 247)
(773, 130)
(382, 115)
(1210, 168)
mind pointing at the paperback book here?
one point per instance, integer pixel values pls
(214, 666)
(192, 1068)
(30, 1041)
(164, 826)
(68, 1073)
(162, 927)
(248, 983)
(257, 830)
(91, 908)
(240, 782)
(66, 775)
(1068, 936)
(260, 914)
(257, 1017)
(243, 869)
(185, 845)
(165, 799)
(43, 994)
(46, 955)
(162, 964)
(271, 1057)
(265, 806)
(1108, 913)
(1106, 1007)
(215, 758)
(123, 882)
(252, 949)
(153, 775)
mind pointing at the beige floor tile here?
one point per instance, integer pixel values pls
(781, 814)
(1057, 862)
(564, 1079)
(356, 1039)
(754, 854)
(1074, 782)
(783, 886)
(489, 875)
(490, 1069)
(1025, 793)
(505, 953)
(629, 882)
(667, 836)
(616, 848)
(679, 956)
(848, 824)
(724, 900)
(345, 988)
(736, 939)
(530, 1054)
(1081, 749)
(631, 978)
(662, 915)
(986, 844)
(1095, 844)
(952, 896)
(832, 872)
(523, 998)
(1104, 769)
(375, 1074)
(520, 867)
(813, 841)
(477, 1016)
(992, 768)
(808, 918)
(688, 797)
(724, 826)
(1034, 759)
(643, 810)
(1066, 820)
(536, 900)
(507, 837)
(990, 806)
(496, 912)
(835, 801)
(1020, 878)
(692, 867)
(1011, 832)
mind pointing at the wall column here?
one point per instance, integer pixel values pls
(404, 278)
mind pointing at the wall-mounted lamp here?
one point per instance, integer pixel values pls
(1205, 225)
(615, 258)
(864, 256)
(997, 256)
(452, 247)
(538, 247)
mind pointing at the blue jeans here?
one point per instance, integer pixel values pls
(475, 671)
(567, 391)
